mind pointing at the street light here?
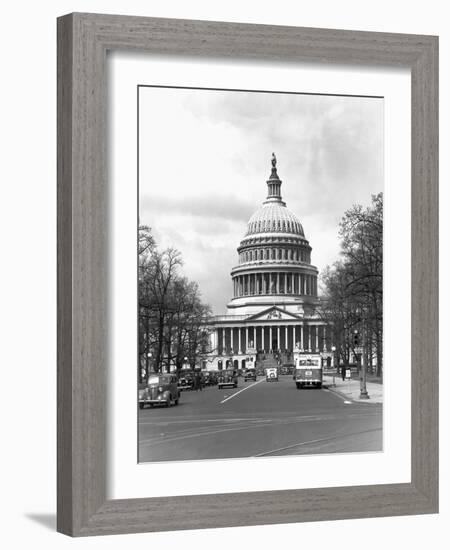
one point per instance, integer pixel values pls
(149, 359)
(333, 350)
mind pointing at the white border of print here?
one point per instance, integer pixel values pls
(126, 478)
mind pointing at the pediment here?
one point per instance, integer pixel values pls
(274, 313)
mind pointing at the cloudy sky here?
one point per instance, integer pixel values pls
(204, 158)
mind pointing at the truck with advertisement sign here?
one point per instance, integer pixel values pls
(308, 371)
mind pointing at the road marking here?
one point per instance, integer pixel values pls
(240, 391)
(312, 441)
(244, 425)
(347, 402)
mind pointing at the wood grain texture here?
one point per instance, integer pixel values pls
(83, 40)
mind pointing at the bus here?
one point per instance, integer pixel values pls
(308, 371)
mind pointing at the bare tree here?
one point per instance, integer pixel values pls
(354, 286)
(172, 316)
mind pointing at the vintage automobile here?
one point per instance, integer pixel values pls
(272, 374)
(213, 378)
(308, 371)
(260, 371)
(227, 378)
(287, 369)
(185, 380)
(161, 389)
(250, 374)
(207, 379)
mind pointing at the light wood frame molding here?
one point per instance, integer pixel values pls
(83, 41)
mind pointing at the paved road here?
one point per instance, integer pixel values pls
(258, 419)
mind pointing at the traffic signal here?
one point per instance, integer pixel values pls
(356, 338)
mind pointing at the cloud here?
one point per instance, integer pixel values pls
(205, 158)
(228, 208)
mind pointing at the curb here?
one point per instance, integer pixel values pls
(345, 396)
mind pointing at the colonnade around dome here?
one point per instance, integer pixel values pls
(274, 283)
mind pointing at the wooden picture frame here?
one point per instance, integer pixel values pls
(83, 41)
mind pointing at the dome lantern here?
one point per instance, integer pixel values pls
(274, 185)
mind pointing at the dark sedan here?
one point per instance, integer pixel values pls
(227, 378)
(161, 389)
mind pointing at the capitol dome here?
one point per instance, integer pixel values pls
(274, 257)
(274, 218)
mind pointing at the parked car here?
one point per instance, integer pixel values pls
(161, 389)
(227, 378)
(250, 374)
(271, 374)
(213, 378)
(185, 380)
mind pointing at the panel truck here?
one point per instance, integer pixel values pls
(308, 371)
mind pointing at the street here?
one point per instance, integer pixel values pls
(258, 419)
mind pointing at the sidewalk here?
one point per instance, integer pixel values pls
(351, 389)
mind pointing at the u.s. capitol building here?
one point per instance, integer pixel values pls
(275, 304)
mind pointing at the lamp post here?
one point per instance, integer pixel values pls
(363, 394)
(149, 361)
(333, 351)
(185, 362)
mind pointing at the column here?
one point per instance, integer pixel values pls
(309, 338)
(317, 337)
(239, 341)
(285, 283)
(246, 339)
(286, 337)
(270, 338)
(302, 337)
(231, 340)
(223, 341)
(278, 336)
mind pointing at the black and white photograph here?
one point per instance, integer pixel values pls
(260, 273)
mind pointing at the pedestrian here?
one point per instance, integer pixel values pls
(343, 372)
